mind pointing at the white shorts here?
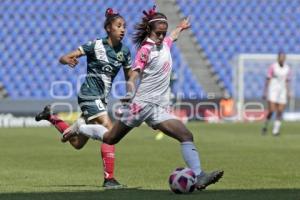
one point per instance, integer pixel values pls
(135, 114)
(277, 95)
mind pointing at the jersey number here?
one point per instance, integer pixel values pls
(99, 104)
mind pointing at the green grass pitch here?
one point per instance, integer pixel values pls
(34, 164)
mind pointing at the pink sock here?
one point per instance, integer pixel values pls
(59, 124)
(108, 158)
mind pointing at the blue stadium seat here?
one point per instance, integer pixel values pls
(222, 28)
(246, 27)
(52, 28)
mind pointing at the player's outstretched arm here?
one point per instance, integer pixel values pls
(183, 25)
(71, 58)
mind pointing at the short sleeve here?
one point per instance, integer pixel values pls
(127, 62)
(87, 48)
(168, 41)
(141, 58)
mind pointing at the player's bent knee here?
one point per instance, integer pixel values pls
(187, 137)
(76, 143)
(110, 140)
(77, 146)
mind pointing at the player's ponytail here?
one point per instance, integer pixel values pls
(144, 28)
(110, 15)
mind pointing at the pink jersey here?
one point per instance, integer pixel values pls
(278, 76)
(155, 63)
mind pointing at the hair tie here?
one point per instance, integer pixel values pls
(110, 12)
(150, 13)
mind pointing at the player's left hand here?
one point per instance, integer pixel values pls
(184, 24)
(127, 98)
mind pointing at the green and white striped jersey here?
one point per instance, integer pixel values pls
(103, 64)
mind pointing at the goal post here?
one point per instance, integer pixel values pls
(249, 76)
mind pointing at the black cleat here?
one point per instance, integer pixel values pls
(44, 115)
(264, 131)
(206, 179)
(112, 184)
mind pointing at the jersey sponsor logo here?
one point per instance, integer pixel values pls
(143, 57)
(107, 69)
(99, 104)
(120, 56)
(117, 64)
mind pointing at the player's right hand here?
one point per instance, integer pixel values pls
(72, 61)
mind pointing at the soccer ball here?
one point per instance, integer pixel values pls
(182, 180)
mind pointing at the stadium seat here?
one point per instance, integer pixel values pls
(251, 27)
(39, 32)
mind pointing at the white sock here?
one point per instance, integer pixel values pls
(75, 126)
(94, 131)
(191, 156)
(276, 127)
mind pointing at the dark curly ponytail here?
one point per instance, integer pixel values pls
(148, 23)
